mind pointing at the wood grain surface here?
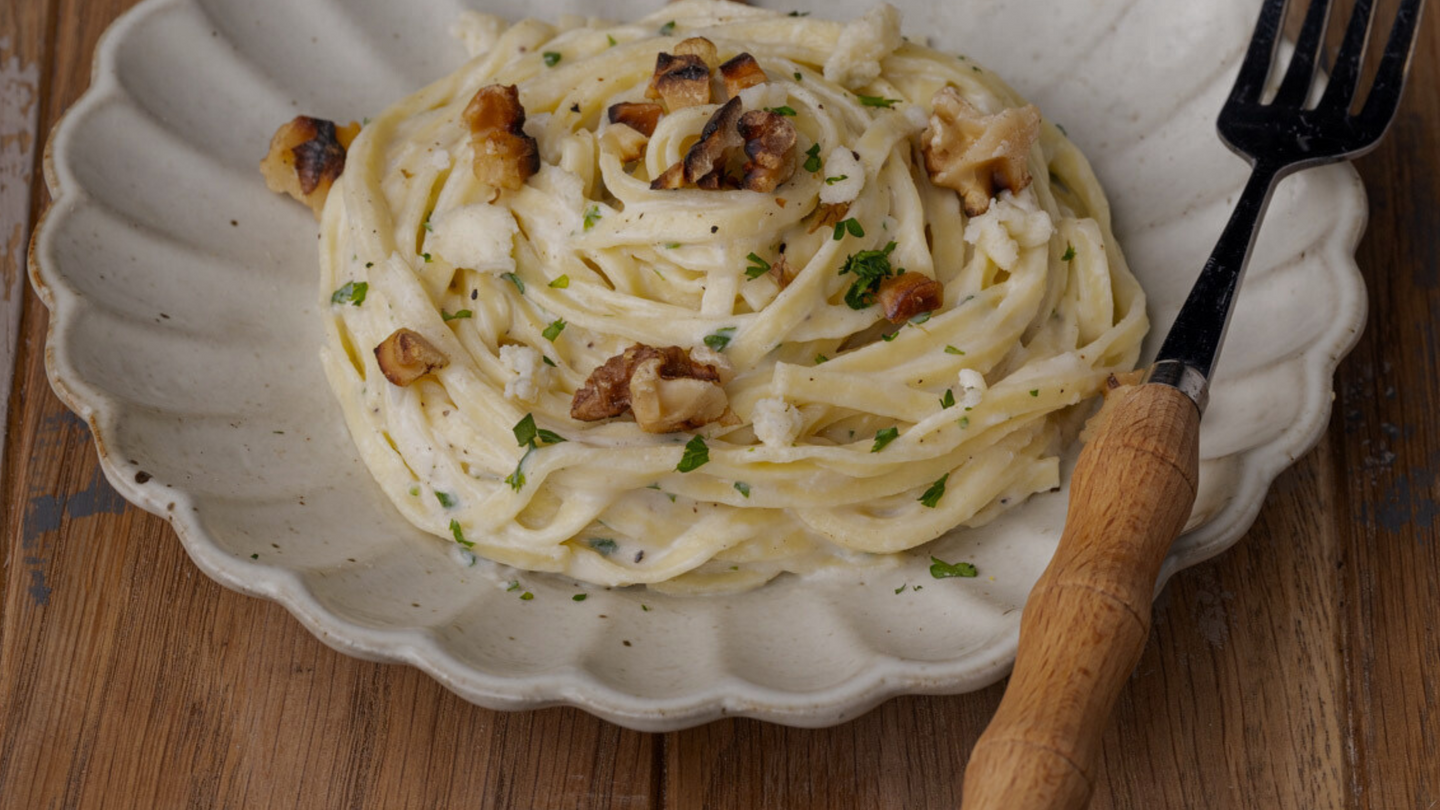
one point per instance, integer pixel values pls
(1300, 669)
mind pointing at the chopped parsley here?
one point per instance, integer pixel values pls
(611, 39)
(671, 245)
(758, 267)
(255, 556)
(742, 488)
(953, 350)
(877, 101)
(812, 158)
(1034, 392)
(461, 315)
(414, 490)
(645, 608)
(852, 225)
(799, 14)
(884, 437)
(1069, 252)
(459, 534)
(940, 569)
(592, 216)
(526, 596)
(603, 546)
(513, 586)
(820, 358)
(547, 361)
(932, 496)
(720, 338)
(446, 499)
(426, 225)
(667, 29)
(427, 257)
(964, 422)
(514, 279)
(352, 293)
(830, 181)
(901, 589)
(799, 77)
(697, 455)
(948, 401)
(516, 480)
(870, 268)
(560, 283)
(889, 337)
(552, 58)
(527, 435)
(785, 110)
(1061, 127)
(553, 330)
(579, 597)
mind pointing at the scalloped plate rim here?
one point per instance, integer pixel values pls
(886, 676)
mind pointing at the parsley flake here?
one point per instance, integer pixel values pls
(758, 267)
(560, 283)
(953, 350)
(932, 496)
(1069, 252)
(426, 225)
(525, 431)
(889, 337)
(877, 101)
(820, 358)
(964, 422)
(901, 589)
(940, 569)
(611, 39)
(948, 401)
(799, 14)
(667, 29)
(513, 586)
(592, 216)
(459, 534)
(785, 110)
(514, 279)
(830, 181)
(1034, 392)
(461, 315)
(697, 455)
(742, 488)
(351, 292)
(427, 257)
(516, 480)
(852, 225)
(812, 158)
(884, 437)
(603, 546)
(870, 268)
(579, 597)
(446, 499)
(799, 77)
(548, 361)
(526, 596)
(552, 58)
(554, 329)
(720, 338)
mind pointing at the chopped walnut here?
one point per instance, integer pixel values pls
(770, 145)
(639, 116)
(698, 46)
(627, 144)
(782, 272)
(909, 294)
(978, 154)
(670, 179)
(306, 156)
(505, 156)
(828, 214)
(680, 81)
(610, 390)
(741, 72)
(707, 156)
(406, 356)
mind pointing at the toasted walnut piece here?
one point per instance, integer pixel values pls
(720, 133)
(680, 81)
(978, 154)
(782, 272)
(741, 72)
(306, 156)
(639, 116)
(670, 179)
(662, 405)
(406, 356)
(827, 214)
(607, 391)
(907, 295)
(770, 145)
(625, 142)
(505, 156)
(698, 46)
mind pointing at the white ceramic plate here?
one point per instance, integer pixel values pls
(183, 329)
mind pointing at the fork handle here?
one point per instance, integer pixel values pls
(1087, 620)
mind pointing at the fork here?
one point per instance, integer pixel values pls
(1088, 617)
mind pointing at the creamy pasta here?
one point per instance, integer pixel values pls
(846, 438)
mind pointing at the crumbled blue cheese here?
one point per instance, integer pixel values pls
(764, 95)
(777, 423)
(1011, 224)
(528, 365)
(855, 62)
(972, 388)
(480, 237)
(844, 177)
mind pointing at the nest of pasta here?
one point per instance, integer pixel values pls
(696, 301)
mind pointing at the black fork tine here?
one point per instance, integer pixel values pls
(1251, 81)
(1351, 57)
(1301, 73)
(1384, 96)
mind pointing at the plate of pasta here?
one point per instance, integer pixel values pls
(672, 362)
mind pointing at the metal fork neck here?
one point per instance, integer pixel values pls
(1187, 357)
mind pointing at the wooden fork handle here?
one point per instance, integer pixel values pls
(1088, 617)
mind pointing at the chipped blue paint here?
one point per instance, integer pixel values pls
(38, 590)
(45, 512)
(1407, 502)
